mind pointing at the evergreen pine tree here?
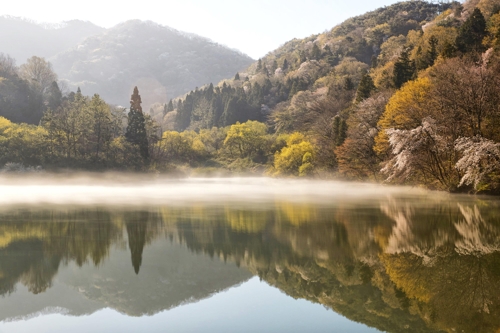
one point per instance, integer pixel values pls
(54, 96)
(472, 33)
(259, 65)
(264, 70)
(339, 130)
(315, 52)
(237, 77)
(136, 128)
(293, 90)
(449, 50)
(404, 69)
(348, 84)
(170, 106)
(365, 88)
(285, 65)
(432, 53)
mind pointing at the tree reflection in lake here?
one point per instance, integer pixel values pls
(397, 264)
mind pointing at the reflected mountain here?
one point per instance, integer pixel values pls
(398, 264)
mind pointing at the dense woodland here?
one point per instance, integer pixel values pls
(406, 94)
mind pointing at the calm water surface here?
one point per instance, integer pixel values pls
(244, 255)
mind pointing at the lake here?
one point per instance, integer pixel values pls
(119, 253)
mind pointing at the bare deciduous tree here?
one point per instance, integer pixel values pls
(39, 73)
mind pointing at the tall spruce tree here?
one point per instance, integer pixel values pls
(315, 52)
(170, 106)
(432, 52)
(54, 96)
(285, 65)
(136, 128)
(348, 84)
(365, 88)
(404, 69)
(472, 33)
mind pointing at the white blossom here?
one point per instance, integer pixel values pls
(416, 150)
(480, 159)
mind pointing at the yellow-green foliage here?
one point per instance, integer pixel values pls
(296, 159)
(246, 140)
(493, 39)
(487, 7)
(21, 143)
(405, 110)
(181, 147)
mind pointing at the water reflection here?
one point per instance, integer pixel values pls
(398, 264)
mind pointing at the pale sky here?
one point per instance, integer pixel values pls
(254, 27)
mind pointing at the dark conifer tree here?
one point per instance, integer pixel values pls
(293, 90)
(184, 112)
(404, 69)
(339, 130)
(264, 70)
(170, 106)
(285, 65)
(348, 84)
(237, 77)
(472, 33)
(136, 128)
(365, 88)
(315, 52)
(136, 232)
(432, 53)
(54, 96)
(449, 50)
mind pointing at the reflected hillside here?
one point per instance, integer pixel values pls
(97, 259)
(398, 264)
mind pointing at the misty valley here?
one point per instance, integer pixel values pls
(255, 255)
(155, 180)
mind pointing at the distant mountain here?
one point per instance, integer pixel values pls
(161, 61)
(171, 275)
(22, 39)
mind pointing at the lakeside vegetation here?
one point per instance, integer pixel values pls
(407, 94)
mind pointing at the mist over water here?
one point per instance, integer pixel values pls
(142, 247)
(113, 189)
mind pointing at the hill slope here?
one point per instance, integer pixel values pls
(160, 60)
(314, 64)
(22, 39)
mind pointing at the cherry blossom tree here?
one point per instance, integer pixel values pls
(480, 162)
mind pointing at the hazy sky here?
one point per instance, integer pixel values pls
(254, 27)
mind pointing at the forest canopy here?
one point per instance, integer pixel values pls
(405, 94)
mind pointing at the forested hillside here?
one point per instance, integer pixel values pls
(407, 94)
(318, 65)
(160, 60)
(376, 96)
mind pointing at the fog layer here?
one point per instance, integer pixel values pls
(127, 190)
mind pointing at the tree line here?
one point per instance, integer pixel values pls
(420, 108)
